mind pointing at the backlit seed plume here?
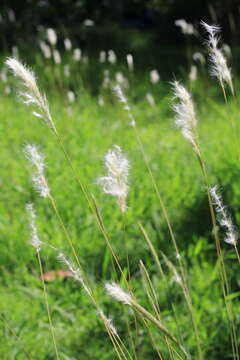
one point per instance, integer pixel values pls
(75, 272)
(51, 36)
(122, 98)
(67, 44)
(197, 56)
(57, 57)
(108, 323)
(34, 241)
(130, 63)
(150, 99)
(102, 56)
(37, 160)
(29, 91)
(77, 54)
(185, 114)
(186, 28)
(112, 58)
(193, 73)
(46, 50)
(219, 67)
(223, 217)
(154, 76)
(116, 181)
(117, 293)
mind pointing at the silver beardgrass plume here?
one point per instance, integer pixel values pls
(77, 54)
(122, 98)
(154, 76)
(193, 73)
(115, 183)
(117, 293)
(51, 36)
(186, 28)
(57, 57)
(46, 50)
(223, 217)
(29, 92)
(34, 241)
(75, 272)
(130, 62)
(108, 323)
(39, 180)
(185, 114)
(67, 44)
(197, 56)
(219, 67)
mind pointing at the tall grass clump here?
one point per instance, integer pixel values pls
(160, 257)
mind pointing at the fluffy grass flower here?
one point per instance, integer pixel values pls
(108, 323)
(185, 114)
(76, 272)
(34, 241)
(29, 92)
(219, 67)
(186, 28)
(122, 98)
(223, 217)
(39, 180)
(51, 36)
(115, 183)
(117, 293)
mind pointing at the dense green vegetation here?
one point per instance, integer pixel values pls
(88, 130)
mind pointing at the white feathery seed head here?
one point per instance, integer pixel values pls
(37, 160)
(117, 293)
(223, 217)
(45, 49)
(121, 79)
(57, 57)
(130, 63)
(29, 92)
(77, 54)
(154, 76)
(185, 114)
(193, 73)
(150, 99)
(34, 241)
(116, 181)
(112, 58)
(108, 323)
(219, 67)
(71, 96)
(197, 56)
(67, 44)
(76, 273)
(186, 28)
(102, 56)
(51, 36)
(122, 99)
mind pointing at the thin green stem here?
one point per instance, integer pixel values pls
(47, 306)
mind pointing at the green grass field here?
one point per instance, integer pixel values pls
(88, 131)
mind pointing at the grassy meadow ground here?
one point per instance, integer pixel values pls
(88, 131)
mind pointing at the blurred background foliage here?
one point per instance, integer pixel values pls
(154, 16)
